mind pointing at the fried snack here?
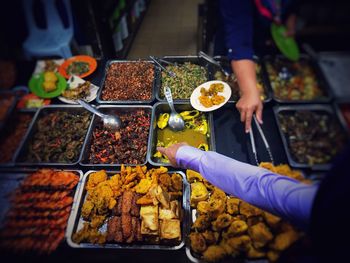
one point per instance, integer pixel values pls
(205, 101)
(198, 193)
(193, 176)
(202, 207)
(260, 235)
(217, 99)
(216, 88)
(210, 97)
(216, 207)
(165, 180)
(95, 179)
(223, 221)
(170, 229)
(149, 215)
(249, 210)
(236, 228)
(272, 220)
(89, 234)
(284, 240)
(202, 223)
(198, 243)
(176, 182)
(214, 253)
(232, 205)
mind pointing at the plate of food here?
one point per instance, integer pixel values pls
(81, 66)
(210, 95)
(77, 88)
(47, 85)
(32, 101)
(47, 65)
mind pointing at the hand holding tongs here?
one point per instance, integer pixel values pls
(170, 73)
(213, 61)
(252, 140)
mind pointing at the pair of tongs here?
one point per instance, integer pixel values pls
(213, 61)
(169, 72)
(252, 141)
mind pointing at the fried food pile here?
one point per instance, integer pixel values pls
(39, 212)
(137, 205)
(210, 97)
(226, 226)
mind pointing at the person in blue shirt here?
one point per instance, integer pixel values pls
(244, 31)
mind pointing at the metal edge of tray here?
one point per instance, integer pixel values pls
(324, 85)
(193, 59)
(10, 109)
(311, 107)
(87, 143)
(257, 60)
(30, 132)
(21, 174)
(14, 155)
(153, 139)
(74, 220)
(154, 85)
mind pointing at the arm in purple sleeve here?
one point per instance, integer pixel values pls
(280, 195)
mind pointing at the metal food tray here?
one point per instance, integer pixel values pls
(315, 107)
(155, 84)
(10, 109)
(181, 60)
(33, 128)
(76, 221)
(12, 162)
(323, 84)
(10, 180)
(84, 160)
(179, 106)
(226, 64)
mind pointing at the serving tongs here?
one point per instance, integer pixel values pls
(169, 72)
(214, 62)
(252, 141)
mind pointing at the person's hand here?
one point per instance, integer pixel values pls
(247, 105)
(170, 152)
(290, 25)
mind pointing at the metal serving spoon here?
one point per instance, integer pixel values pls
(176, 121)
(111, 122)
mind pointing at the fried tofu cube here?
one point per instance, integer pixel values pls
(170, 229)
(166, 214)
(146, 231)
(149, 215)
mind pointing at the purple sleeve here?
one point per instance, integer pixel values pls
(280, 195)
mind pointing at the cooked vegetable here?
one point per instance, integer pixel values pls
(78, 68)
(188, 77)
(58, 137)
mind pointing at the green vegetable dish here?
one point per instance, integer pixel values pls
(78, 68)
(188, 77)
(58, 138)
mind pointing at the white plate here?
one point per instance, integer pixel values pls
(40, 65)
(197, 92)
(74, 82)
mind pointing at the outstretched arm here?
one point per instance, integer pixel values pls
(280, 195)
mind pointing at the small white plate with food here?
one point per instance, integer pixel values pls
(210, 95)
(77, 88)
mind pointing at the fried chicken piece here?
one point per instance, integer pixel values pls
(210, 237)
(198, 243)
(164, 180)
(232, 205)
(284, 240)
(143, 186)
(253, 220)
(236, 245)
(126, 201)
(218, 194)
(249, 210)
(176, 182)
(97, 221)
(214, 253)
(260, 235)
(222, 221)
(95, 179)
(205, 101)
(202, 207)
(217, 99)
(126, 226)
(216, 207)
(236, 228)
(86, 210)
(272, 220)
(202, 223)
(89, 234)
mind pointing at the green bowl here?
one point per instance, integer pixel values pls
(36, 86)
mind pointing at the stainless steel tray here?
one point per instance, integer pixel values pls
(10, 180)
(314, 107)
(155, 84)
(33, 128)
(12, 162)
(180, 60)
(84, 161)
(179, 106)
(323, 84)
(75, 220)
(226, 64)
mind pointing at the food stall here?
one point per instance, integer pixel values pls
(74, 190)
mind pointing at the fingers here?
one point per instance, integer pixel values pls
(248, 120)
(162, 150)
(258, 113)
